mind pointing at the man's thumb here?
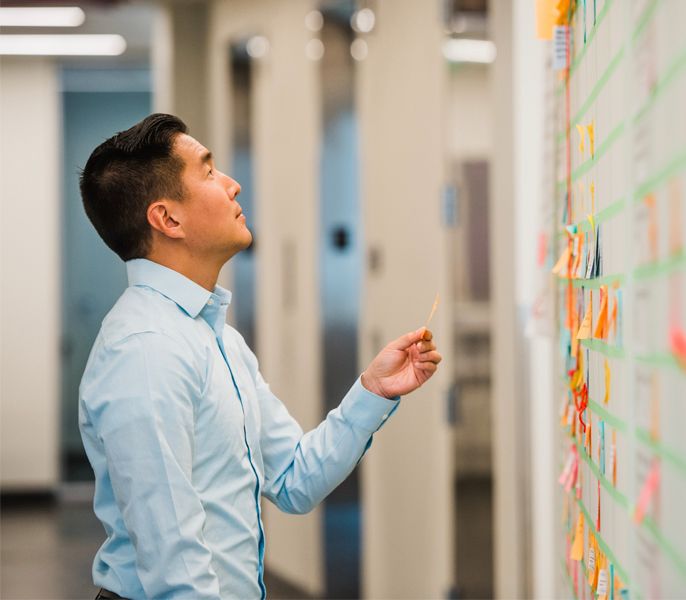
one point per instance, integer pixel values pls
(405, 341)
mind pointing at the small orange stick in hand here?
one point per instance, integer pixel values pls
(431, 314)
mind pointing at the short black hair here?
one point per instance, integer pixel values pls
(125, 174)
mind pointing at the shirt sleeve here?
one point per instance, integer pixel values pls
(302, 469)
(142, 406)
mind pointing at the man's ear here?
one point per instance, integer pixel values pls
(164, 216)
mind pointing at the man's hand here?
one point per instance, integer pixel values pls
(403, 365)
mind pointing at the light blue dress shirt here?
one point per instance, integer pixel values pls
(185, 436)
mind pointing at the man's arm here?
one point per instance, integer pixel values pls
(141, 403)
(301, 470)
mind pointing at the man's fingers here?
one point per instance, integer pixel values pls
(425, 346)
(427, 335)
(428, 366)
(432, 356)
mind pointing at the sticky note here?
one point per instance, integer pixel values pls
(584, 332)
(592, 563)
(433, 310)
(591, 138)
(608, 376)
(601, 326)
(577, 551)
(651, 483)
(677, 343)
(545, 19)
(562, 262)
(582, 135)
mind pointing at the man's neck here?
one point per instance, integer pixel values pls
(203, 272)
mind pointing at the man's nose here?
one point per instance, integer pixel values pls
(233, 187)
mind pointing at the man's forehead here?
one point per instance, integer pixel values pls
(190, 149)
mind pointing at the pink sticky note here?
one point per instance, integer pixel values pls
(647, 492)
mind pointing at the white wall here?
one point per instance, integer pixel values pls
(30, 273)
(407, 476)
(286, 137)
(469, 112)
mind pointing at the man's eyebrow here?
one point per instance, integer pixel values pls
(206, 158)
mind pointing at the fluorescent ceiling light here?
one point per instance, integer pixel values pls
(472, 51)
(63, 45)
(45, 16)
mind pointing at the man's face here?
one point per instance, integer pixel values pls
(212, 218)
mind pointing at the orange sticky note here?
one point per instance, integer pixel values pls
(577, 551)
(545, 19)
(584, 332)
(562, 262)
(612, 326)
(592, 562)
(601, 326)
(607, 382)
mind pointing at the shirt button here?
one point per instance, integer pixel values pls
(385, 417)
(210, 302)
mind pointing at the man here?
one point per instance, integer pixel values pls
(182, 432)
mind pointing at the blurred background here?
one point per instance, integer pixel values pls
(382, 147)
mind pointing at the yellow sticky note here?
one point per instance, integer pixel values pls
(591, 189)
(591, 220)
(607, 382)
(582, 135)
(591, 138)
(577, 550)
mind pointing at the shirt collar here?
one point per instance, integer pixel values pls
(190, 296)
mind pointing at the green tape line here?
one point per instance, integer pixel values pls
(660, 268)
(608, 417)
(654, 181)
(662, 84)
(670, 455)
(658, 359)
(609, 212)
(603, 348)
(597, 88)
(644, 19)
(569, 579)
(603, 545)
(599, 19)
(596, 283)
(651, 527)
(616, 495)
(588, 164)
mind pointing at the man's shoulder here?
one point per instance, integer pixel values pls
(140, 310)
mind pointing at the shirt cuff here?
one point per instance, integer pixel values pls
(367, 410)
